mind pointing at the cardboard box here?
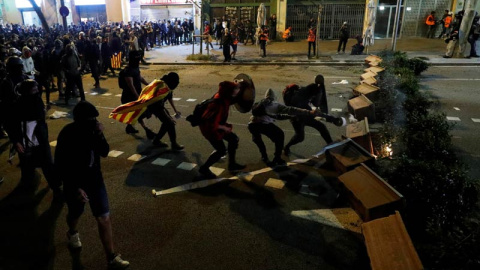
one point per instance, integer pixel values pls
(360, 133)
(347, 155)
(370, 91)
(374, 69)
(367, 75)
(374, 63)
(369, 194)
(389, 246)
(373, 58)
(370, 80)
(362, 107)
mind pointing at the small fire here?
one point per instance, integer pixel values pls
(387, 150)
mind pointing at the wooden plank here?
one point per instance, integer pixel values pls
(360, 133)
(347, 156)
(389, 246)
(369, 194)
(370, 91)
(362, 107)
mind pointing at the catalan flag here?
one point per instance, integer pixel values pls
(116, 60)
(130, 112)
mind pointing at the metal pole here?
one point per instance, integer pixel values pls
(395, 26)
(465, 27)
(64, 19)
(317, 32)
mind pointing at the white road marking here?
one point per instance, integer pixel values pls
(336, 110)
(115, 153)
(456, 108)
(217, 171)
(275, 183)
(246, 176)
(476, 120)
(118, 95)
(93, 93)
(190, 186)
(106, 94)
(177, 99)
(452, 118)
(186, 166)
(136, 157)
(300, 160)
(53, 143)
(107, 108)
(191, 100)
(161, 161)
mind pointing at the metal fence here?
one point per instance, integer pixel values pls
(331, 19)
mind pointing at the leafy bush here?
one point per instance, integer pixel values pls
(418, 65)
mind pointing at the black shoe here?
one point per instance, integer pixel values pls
(207, 173)
(265, 160)
(447, 56)
(236, 167)
(286, 150)
(278, 161)
(177, 147)
(159, 143)
(150, 134)
(130, 130)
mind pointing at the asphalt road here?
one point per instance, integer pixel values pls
(230, 225)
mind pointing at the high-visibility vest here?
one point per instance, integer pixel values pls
(286, 34)
(311, 35)
(447, 21)
(430, 20)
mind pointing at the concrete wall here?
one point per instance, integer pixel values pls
(12, 15)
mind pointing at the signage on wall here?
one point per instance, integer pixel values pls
(162, 2)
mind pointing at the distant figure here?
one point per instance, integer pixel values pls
(344, 34)
(272, 25)
(288, 35)
(312, 38)
(451, 41)
(358, 48)
(447, 21)
(431, 25)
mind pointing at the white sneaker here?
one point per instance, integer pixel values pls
(118, 263)
(74, 240)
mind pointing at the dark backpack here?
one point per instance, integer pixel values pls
(121, 79)
(258, 109)
(195, 118)
(289, 92)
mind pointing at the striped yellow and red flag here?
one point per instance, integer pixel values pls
(129, 113)
(116, 60)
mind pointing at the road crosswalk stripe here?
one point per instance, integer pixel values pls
(115, 153)
(476, 120)
(106, 94)
(136, 157)
(452, 118)
(186, 166)
(275, 183)
(191, 100)
(161, 161)
(177, 99)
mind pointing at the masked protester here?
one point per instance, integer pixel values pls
(77, 158)
(215, 129)
(29, 135)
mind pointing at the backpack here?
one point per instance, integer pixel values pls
(195, 118)
(289, 92)
(258, 109)
(121, 79)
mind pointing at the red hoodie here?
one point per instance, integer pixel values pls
(217, 112)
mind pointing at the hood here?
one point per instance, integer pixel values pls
(225, 89)
(270, 94)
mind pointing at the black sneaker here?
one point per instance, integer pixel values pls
(150, 134)
(236, 167)
(130, 130)
(177, 147)
(286, 150)
(207, 173)
(278, 161)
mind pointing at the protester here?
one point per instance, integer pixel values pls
(272, 26)
(77, 157)
(215, 129)
(72, 67)
(312, 39)
(226, 42)
(344, 35)
(288, 35)
(451, 42)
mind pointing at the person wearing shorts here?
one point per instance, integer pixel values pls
(77, 159)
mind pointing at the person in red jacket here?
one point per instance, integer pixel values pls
(215, 129)
(312, 38)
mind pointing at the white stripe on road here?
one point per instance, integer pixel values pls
(107, 94)
(191, 100)
(476, 120)
(456, 108)
(452, 118)
(161, 161)
(118, 95)
(217, 171)
(336, 110)
(186, 166)
(176, 99)
(115, 153)
(136, 157)
(275, 183)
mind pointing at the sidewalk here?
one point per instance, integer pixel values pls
(295, 53)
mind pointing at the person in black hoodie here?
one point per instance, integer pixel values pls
(314, 94)
(77, 159)
(28, 133)
(92, 55)
(106, 53)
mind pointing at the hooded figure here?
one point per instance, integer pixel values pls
(263, 122)
(215, 129)
(28, 65)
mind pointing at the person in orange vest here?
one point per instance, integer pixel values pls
(263, 34)
(287, 34)
(431, 25)
(312, 37)
(447, 21)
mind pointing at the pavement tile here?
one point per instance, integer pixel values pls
(114, 153)
(186, 166)
(217, 171)
(275, 183)
(161, 161)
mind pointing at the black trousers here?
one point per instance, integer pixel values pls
(226, 53)
(263, 46)
(72, 81)
(299, 127)
(272, 131)
(311, 45)
(39, 156)
(168, 124)
(221, 150)
(342, 43)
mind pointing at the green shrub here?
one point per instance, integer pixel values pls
(418, 65)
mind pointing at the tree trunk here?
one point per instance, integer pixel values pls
(39, 12)
(465, 27)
